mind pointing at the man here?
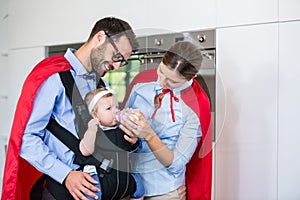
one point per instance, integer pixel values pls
(43, 96)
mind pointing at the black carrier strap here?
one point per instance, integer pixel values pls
(100, 82)
(83, 117)
(79, 106)
(59, 191)
(72, 142)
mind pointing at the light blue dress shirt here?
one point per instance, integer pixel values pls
(180, 136)
(39, 147)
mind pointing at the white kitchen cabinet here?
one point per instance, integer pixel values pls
(289, 10)
(176, 16)
(289, 112)
(73, 24)
(237, 12)
(4, 66)
(246, 113)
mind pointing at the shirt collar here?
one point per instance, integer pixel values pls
(176, 91)
(78, 68)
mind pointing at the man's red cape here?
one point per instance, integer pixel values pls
(19, 175)
(199, 169)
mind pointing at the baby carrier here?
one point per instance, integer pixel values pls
(112, 163)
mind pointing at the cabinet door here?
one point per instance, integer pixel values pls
(237, 12)
(246, 113)
(289, 10)
(289, 111)
(3, 65)
(177, 16)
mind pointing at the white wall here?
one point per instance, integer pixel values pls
(4, 120)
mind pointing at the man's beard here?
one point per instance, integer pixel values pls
(107, 65)
(98, 61)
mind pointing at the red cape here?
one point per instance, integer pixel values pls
(19, 175)
(199, 169)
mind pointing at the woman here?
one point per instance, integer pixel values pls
(174, 113)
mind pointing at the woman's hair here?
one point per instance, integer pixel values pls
(88, 98)
(185, 58)
(115, 28)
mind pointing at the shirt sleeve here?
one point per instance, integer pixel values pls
(189, 136)
(38, 147)
(130, 100)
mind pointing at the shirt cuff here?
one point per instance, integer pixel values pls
(59, 172)
(178, 165)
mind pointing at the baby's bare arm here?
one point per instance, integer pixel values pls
(87, 144)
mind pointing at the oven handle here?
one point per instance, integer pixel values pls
(208, 54)
(143, 57)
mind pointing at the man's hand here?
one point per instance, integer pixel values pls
(80, 183)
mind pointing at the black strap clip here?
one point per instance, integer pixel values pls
(106, 165)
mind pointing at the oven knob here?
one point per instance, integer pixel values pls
(201, 38)
(158, 42)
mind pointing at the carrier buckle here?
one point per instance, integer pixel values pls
(106, 165)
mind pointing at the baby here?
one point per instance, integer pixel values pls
(117, 182)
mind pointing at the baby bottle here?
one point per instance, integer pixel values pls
(125, 112)
(119, 115)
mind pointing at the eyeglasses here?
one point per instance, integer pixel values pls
(118, 57)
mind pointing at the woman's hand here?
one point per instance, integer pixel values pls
(131, 140)
(182, 192)
(139, 127)
(135, 124)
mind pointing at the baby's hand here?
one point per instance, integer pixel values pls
(93, 124)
